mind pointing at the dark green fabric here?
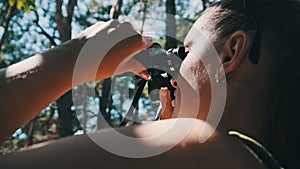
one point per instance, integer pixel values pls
(261, 152)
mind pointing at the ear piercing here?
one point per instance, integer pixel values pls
(220, 76)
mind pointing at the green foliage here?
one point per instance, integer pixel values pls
(43, 129)
(23, 4)
(4, 62)
(11, 145)
(24, 38)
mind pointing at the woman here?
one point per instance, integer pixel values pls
(258, 51)
(261, 79)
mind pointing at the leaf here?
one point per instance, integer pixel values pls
(12, 2)
(31, 3)
(27, 8)
(23, 4)
(19, 4)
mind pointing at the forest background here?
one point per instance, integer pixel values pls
(28, 27)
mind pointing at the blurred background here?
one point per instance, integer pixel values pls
(28, 27)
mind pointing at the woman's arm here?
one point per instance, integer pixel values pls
(77, 152)
(30, 85)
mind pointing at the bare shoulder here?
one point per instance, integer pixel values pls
(162, 144)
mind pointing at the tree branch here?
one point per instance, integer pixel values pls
(10, 13)
(144, 8)
(59, 18)
(52, 40)
(64, 22)
(70, 10)
(49, 121)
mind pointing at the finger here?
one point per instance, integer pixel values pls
(97, 27)
(113, 23)
(135, 67)
(165, 94)
(144, 74)
(143, 43)
(129, 40)
(164, 91)
(90, 31)
(127, 26)
(107, 25)
(139, 69)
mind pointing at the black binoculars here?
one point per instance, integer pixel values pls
(162, 66)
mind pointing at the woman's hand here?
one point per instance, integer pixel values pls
(108, 50)
(39, 80)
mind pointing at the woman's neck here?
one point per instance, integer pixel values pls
(249, 109)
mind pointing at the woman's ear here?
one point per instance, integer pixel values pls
(234, 50)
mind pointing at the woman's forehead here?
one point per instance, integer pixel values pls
(198, 31)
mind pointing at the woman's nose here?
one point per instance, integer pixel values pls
(174, 83)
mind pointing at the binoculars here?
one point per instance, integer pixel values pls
(162, 66)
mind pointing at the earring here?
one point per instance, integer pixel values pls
(220, 77)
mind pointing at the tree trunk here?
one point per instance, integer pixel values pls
(115, 10)
(105, 101)
(84, 107)
(203, 5)
(106, 97)
(31, 127)
(66, 116)
(171, 40)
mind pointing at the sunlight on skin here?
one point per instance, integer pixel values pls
(198, 70)
(32, 82)
(187, 153)
(193, 133)
(148, 132)
(198, 95)
(22, 71)
(145, 140)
